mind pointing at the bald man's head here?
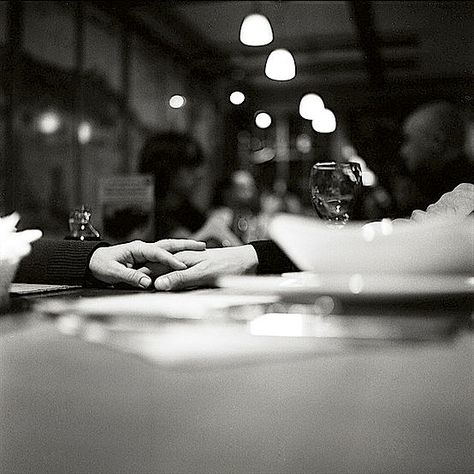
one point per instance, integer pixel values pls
(434, 134)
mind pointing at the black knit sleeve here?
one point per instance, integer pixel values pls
(63, 262)
(271, 259)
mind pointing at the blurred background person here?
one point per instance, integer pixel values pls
(236, 203)
(433, 153)
(278, 200)
(176, 163)
(127, 224)
(374, 200)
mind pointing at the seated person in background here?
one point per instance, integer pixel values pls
(434, 154)
(278, 200)
(176, 163)
(235, 207)
(126, 224)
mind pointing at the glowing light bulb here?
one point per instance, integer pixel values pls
(310, 106)
(263, 120)
(49, 123)
(256, 30)
(177, 101)
(84, 132)
(280, 65)
(325, 122)
(237, 97)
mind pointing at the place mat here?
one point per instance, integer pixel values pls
(33, 288)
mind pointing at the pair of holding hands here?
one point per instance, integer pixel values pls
(170, 264)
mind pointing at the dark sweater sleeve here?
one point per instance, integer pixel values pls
(62, 262)
(271, 259)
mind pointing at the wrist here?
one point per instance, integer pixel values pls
(250, 258)
(91, 275)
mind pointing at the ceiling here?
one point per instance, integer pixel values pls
(337, 45)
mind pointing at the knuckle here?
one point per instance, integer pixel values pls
(178, 278)
(130, 275)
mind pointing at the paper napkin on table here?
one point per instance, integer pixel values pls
(13, 247)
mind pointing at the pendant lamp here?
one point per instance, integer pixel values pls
(280, 65)
(256, 30)
(325, 122)
(310, 106)
(237, 97)
(263, 120)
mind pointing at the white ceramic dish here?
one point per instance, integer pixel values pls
(378, 248)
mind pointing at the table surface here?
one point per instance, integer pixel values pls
(68, 405)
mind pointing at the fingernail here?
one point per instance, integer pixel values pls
(162, 284)
(144, 282)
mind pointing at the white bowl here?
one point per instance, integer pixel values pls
(440, 247)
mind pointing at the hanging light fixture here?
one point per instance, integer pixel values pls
(177, 101)
(237, 97)
(310, 106)
(263, 120)
(49, 122)
(325, 122)
(280, 65)
(256, 30)
(84, 132)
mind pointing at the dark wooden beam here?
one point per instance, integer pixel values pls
(404, 89)
(362, 16)
(190, 47)
(317, 44)
(342, 66)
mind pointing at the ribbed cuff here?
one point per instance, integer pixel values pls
(69, 262)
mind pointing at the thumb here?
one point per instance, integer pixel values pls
(170, 281)
(132, 277)
(177, 280)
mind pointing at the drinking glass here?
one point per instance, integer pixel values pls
(334, 188)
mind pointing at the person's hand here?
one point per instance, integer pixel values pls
(453, 205)
(137, 262)
(15, 245)
(204, 267)
(216, 228)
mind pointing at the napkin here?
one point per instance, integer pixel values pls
(13, 247)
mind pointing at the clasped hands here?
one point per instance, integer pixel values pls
(170, 264)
